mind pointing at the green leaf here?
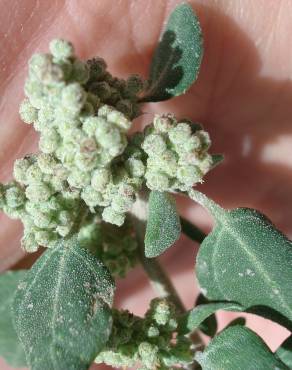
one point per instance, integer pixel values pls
(284, 352)
(192, 231)
(245, 259)
(209, 325)
(237, 347)
(62, 309)
(177, 58)
(192, 319)
(10, 347)
(163, 226)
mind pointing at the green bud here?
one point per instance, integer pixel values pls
(115, 117)
(134, 84)
(46, 115)
(90, 125)
(135, 167)
(61, 49)
(164, 123)
(20, 170)
(97, 67)
(49, 140)
(189, 175)
(157, 181)
(101, 89)
(38, 192)
(80, 72)
(125, 106)
(44, 237)
(28, 113)
(180, 134)
(29, 244)
(34, 174)
(149, 355)
(73, 97)
(47, 163)
(113, 217)
(14, 196)
(100, 179)
(91, 197)
(34, 91)
(78, 179)
(154, 145)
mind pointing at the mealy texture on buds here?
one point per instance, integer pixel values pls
(177, 154)
(150, 342)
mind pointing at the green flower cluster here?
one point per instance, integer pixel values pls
(115, 246)
(177, 154)
(42, 199)
(66, 103)
(149, 342)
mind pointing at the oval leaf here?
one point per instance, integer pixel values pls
(163, 225)
(239, 348)
(10, 347)
(245, 259)
(192, 319)
(177, 59)
(62, 309)
(284, 352)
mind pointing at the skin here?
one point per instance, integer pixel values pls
(242, 97)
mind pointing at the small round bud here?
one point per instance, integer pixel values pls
(114, 116)
(101, 89)
(180, 134)
(27, 112)
(90, 124)
(100, 178)
(97, 67)
(91, 197)
(73, 97)
(44, 237)
(34, 91)
(134, 84)
(135, 167)
(34, 174)
(113, 217)
(49, 140)
(20, 170)
(80, 72)
(46, 115)
(47, 163)
(61, 49)
(29, 244)
(125, 106)
(189, 175)
(163, 123)
(14, 196)
(154, 145)
(38, 192)
(157, 181)
(78, 179)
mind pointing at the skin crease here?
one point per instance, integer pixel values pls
(242, 97)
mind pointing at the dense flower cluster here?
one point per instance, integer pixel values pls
(149, 342)
(67, 101)
(177, 154)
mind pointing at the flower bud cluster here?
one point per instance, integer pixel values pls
(48, 208)
(115, 246)
(177, 154)
(66, 103)
(149, 342)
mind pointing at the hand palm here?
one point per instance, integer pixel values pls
(242, 96)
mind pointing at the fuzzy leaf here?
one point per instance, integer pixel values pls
(177, 58)
(192, 319)
(62, 309)
(163, 226)
(284, 352)
(10, 347)
(245, 259)
(239, 348)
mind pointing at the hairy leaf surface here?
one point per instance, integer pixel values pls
(245, 259)
(284, 352)
(62, 309)
(10, 347)
(239, 348)
(163, 225)
(177, 59)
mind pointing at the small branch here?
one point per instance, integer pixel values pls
(192, 231)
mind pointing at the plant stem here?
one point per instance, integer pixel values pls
(157, 276)
(192, 231)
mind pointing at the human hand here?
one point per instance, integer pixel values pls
(242, 97)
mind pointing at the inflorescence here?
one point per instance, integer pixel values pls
(89, 169)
